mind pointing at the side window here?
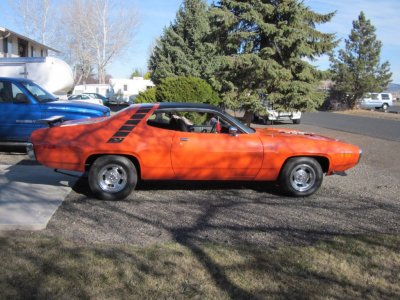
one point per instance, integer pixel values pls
(189, 121)
(385, 97)
(9, 92)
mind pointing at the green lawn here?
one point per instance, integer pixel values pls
(37, 266)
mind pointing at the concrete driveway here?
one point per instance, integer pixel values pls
(29, 195)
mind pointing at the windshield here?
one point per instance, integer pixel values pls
(40, 94)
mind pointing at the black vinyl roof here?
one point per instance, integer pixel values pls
(173, 105)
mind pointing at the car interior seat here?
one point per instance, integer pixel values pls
(20, 98)
(182, 125)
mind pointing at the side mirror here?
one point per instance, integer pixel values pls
(233, 131)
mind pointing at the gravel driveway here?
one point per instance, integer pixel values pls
(365, 201)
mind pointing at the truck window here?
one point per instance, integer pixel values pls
(8, 91)
(385, 97)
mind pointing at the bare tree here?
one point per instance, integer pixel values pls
(75, 37)
(99, 30)
(34, 17)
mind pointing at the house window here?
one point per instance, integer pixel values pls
(5, 47)
(125, 87)
(32, 52)
(41, 53)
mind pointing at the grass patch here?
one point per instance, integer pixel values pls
(37, 266)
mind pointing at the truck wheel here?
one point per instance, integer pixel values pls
(267, 121)
(301, 176)
(112, 177)
(296, 121)
(385, 106)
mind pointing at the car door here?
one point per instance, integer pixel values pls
(218, 156)
(18, 113)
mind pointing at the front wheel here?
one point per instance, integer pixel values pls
(112, 177)
(301, 176)
(296, 121)
(385, 106)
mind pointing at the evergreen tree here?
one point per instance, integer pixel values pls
(186, 89)
(185, 49)
(357, 70)
(267, 46)
(136, 73)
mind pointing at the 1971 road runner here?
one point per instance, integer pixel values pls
(184, 141)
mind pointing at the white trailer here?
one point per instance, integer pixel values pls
(126, 90)
(53, 74)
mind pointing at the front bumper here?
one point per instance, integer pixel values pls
(30, 151)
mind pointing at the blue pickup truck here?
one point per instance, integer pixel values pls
(23, 103)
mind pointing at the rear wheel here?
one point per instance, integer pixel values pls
(112, 177)
(301, 176)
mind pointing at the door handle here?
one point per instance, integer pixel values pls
(183, 139)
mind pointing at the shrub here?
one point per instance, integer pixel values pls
(148, 96)
(186, 89)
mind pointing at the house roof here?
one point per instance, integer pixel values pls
(7, 32)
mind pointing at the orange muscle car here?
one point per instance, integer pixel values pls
(185, 141)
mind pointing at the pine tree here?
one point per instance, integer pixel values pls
(267, 46)
(357, 70)
(185, 49)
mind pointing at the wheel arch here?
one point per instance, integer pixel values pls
(90, 160)
(322, 160)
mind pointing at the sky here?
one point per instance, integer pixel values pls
(155, 15)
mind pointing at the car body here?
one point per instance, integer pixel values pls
(23, 103)
(98, 96)
(183, 141)
(377, 101)
(269, 115)
(86, 99)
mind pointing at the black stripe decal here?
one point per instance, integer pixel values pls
(121, 134)
(126, 128)
(129, 125)
(138, 116)
(115, 140)
(132, 122)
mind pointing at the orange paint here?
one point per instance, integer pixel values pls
(168, 154)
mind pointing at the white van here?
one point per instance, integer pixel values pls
(377, 100)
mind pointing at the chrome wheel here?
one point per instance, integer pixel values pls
(302, 178)
(112, 178)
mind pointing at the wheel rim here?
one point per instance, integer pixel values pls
(302, 178)
(112, 178)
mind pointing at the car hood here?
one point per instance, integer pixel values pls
(81, 107)
(285, 132)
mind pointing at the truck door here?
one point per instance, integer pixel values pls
(17, 113)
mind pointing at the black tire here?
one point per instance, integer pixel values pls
(267, 121)
(112, 177)
(296, 121)
(301, 176)
(385, 106)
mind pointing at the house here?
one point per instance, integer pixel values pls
(126, 90)
(13, 44)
